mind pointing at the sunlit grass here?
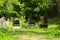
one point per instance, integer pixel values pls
(52, 26)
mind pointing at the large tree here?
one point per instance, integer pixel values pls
(28, 8)
(6, 8)
(38, 8)
(34, 9)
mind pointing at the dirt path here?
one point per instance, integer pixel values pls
(27, 37)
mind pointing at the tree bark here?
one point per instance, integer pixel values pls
(43, 20)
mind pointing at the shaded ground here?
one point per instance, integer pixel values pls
(30, 37)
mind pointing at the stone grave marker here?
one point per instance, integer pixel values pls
(7, 22)
(31, 23)
(16, 24)
(0, 23)
(3, 23)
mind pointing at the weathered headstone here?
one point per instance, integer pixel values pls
(0, 23)
(3, 23)
(7, 23)
(16, 24)
(31, 23)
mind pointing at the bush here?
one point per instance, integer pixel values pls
(23, 23)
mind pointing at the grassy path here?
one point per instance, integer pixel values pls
(30, 37)
(33, 34)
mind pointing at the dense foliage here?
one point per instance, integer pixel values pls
(29, 8)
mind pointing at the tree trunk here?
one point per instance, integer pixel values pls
(43, 21)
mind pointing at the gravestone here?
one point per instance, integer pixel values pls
(3, 23)
(31, 23)
(0, 23)
(16, 24)
(7, 23)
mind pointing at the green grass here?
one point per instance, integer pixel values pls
(52, 26)
(51, 32)
(32, 31)
(6, 34)
(3, 36)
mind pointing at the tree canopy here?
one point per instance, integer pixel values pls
(27, 8)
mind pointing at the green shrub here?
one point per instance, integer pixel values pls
(23, 23)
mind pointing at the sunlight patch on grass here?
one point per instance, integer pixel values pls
(52, 26)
